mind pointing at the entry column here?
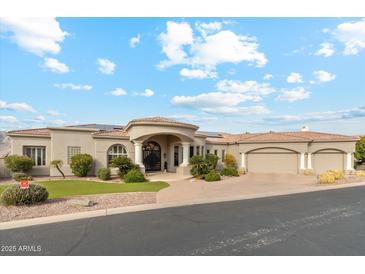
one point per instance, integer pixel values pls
(349, 162)
(138, 154)
(186, 148)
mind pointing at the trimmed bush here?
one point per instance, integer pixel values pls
(212, 176)
(230, 161)
(327, 178)
(124, 164)
(211, 160)
(19, 163)
(17, 176)
(229, 171)
(104, 174)
(199, 166)
(14, 195)
(338, 174)
(360, 173)
(81, 164)
(134, 176)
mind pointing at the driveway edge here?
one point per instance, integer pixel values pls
(137, 208)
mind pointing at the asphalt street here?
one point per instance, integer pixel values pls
(328, 222)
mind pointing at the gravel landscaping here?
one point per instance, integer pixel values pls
(72, 204)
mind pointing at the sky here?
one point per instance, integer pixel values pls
(223, 74)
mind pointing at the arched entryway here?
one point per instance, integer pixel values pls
(151, 156)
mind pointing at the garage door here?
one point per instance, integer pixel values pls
(326, 160)
(274, 161)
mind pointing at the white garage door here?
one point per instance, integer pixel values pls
(272, 162)
(323, 161)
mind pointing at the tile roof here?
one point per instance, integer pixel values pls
(159, 119)
(296, 136)
(111, 133)
(33, 131)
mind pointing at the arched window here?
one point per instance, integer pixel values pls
(116, 151)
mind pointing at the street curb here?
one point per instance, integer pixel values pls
(137, 208)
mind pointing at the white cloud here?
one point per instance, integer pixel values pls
(237, 110)
(36, 35)
(58, 122)
(245, 87)
(209, 49)
(147, 93)
(352, 34)
(323, 76)
(294, 77)
(40, 118)
(8, 119)
(54, 65)
(268, 76)
(176, 36)
(106, 66)
(118, 92)
(197, 73)
(193, 118)
(326, 50)
(134, 41)
(293, 95)
(53, 113)
(73, 86)
(16, 106)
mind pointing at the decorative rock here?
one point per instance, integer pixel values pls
(82, 202)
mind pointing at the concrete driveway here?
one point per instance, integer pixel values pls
(249, 184)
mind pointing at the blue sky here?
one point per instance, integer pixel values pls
(223, 74)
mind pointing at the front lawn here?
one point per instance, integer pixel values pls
(63, 188)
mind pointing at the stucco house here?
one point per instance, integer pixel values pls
(158, 143)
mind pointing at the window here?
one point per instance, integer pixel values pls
(215, 152)
(191, 154)
(38, 155)
(208, 151)
(116, 151)
(71, 151)
(202, 150)
(198, 150)
(223, 152)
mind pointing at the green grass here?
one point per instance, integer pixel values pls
(64, 188)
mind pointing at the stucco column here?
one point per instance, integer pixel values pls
(186, 148)
(138, 154)
(243, 160)
(302, 161)
(349, 163)
(309, 161)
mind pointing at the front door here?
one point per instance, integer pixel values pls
(152, 156)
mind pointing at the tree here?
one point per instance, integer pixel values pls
(124, 164)
(212, 160)
(81, 164)
(230, 161)
(58, 164)
(199, 166)
(360, 150)
(19, 163)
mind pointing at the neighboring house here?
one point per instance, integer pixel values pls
(4, 151)
(156, 142)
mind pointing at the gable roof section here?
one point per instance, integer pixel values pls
(159, 121)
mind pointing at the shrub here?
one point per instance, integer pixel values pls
(19, 163)
(17, 176)
(58, 164)
(124, 164)
(104, 174)
(14, 195)
(211, 160)
(229, 171)
(327, 178)
(360, 173)
(307, 172)
(81, 164)
(134, 176)
(338, 174)
(212, 176)
(242, 171)
(199, 166)
(230, 161)
(360, 150)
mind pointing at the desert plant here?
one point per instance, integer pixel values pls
(229, 171)
(104, 174)
(134, 176)
(327, 178)
(124, 164)
(212, 176)
(360, 150)
(81, 164)
(18, 176)
(307, 172)
(19, 163)
(242, 171)
(338, 174)
(199, 166)
(230, 161)
(212, 160)
(58, 164)
(14, 195)
(360, 173)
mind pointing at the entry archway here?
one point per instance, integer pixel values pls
(151, 156)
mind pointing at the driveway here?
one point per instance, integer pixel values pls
(249, 184)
